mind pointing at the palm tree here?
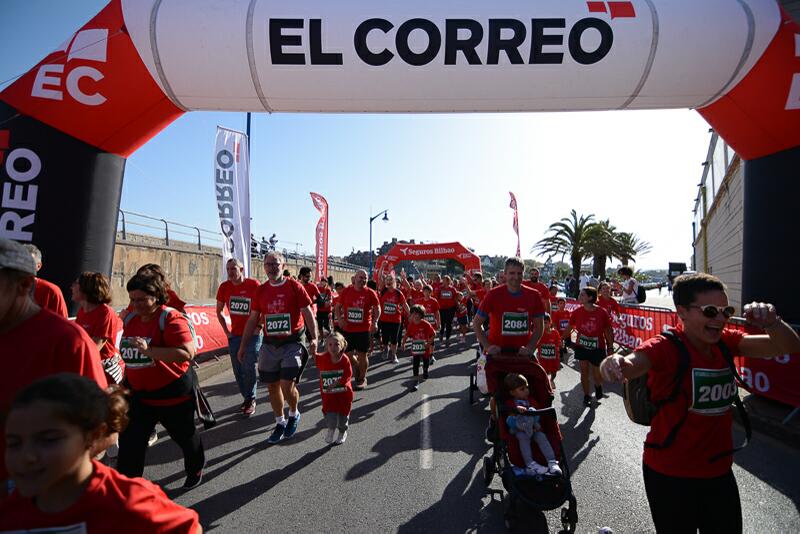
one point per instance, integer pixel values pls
(571, 236)
(631, 246)
(603, 246)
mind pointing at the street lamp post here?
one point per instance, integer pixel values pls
(385, 214)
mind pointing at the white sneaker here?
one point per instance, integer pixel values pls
(329, 435)
(395, 360)
(153, 438)
(536, 469)
(342, 437)
(553, 468)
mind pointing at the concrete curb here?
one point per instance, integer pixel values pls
(767, 416)
(211, 367)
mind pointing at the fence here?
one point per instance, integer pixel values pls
(162, 230)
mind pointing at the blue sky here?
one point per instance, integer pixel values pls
(442, 177)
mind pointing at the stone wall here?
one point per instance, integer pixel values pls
(195, 273)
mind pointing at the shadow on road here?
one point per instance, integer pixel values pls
(577, 427)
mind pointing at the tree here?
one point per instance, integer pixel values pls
(631, 246)
(603, 245)
(571, 236)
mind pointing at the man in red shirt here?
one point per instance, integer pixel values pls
(690, 483)
(541, 288)
(51, 343)
(516, 318)
(447, 296)
(393, 308)
(286, 309)
(358, 310)
(237, 293)
(46, 294)
(324, 307)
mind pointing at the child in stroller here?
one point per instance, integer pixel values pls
(525, 425)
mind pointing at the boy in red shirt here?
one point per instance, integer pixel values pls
(595, 340)
(335, 388)
(560, 321)
(548, 350)
(421, 334)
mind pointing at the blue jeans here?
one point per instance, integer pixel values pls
(245, 372)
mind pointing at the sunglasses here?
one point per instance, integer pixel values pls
(712, 311)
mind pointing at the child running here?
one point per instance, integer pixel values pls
(526, 427)
(560, 320)
(335, 372)
(421, 333)
(548, 349)
(51, 430)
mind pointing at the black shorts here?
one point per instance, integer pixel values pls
(390, 332)
(463, 321)
(323, 320)
(357, 341)
(592, 356)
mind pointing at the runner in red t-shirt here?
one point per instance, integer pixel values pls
(285, 308)
(51, 343)
(70, 492)
(338, 289)
(92, 292)
(447, 297)
(421, 334)
(686, 490)
(595, 340)
(158, 347)
(359, 312)
(534, 283)
(393, 308)
(560, 320)
(46, 294)
(549, 349)
(324, 307)
(553, 298)
(237, 294)
(335, 388)
(606, 301)
(304, 277)
(515, 314)
(431, 306)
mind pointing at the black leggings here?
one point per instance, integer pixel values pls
(686, 505)
(447, 314)
(323, 321)
(179, 422)
(425, 363)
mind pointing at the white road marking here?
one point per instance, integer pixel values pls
(425, 450)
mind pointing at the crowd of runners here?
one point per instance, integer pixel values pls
(100, 384)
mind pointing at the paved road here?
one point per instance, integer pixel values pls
(412, 464)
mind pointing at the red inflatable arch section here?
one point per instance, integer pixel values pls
(435, 251)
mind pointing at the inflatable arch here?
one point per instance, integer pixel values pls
(422, 252)
(67, 125)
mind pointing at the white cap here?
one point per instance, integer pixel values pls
(15, 256)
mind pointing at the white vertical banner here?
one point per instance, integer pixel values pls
(232, 193)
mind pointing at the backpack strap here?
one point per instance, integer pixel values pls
(684, 360)
(128, 318)
(748, 429)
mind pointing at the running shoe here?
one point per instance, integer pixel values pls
(433, 360)
(277, 434)
(415, 387)
(291, 426)
(193, 480)
(342, 437)
(553, 468)
(587, 400)
(153, 438)
(329, 435)
(395, 360)
(249, 408)
(535, 469)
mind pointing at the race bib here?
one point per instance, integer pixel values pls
(431, 318)
(447, 295)
(588, 343)
(563, 324)
(355, 315)
(713, 391)
(515, 324)
(332, 381)
(278, 324)
(548, 352)
(132, 357)
(239, 305)
(418, 347)
(389, 308)
(554, 307)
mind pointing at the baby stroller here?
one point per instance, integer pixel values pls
(529, 493)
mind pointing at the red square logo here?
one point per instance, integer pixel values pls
(622, 10)
(597, 7)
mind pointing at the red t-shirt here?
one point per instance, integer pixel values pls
(325, 300)
(49, 296)
(239, 300)
(480, 294)
(174, 301)
(511, 315)
(43, 345)
(414, 296)
(560, 320)
(609, 304)
(540, 288)
(102, 323)
(111, 502)
(431, 306)
(447, 297)
(591, 327)
(281, 304)
(334, 383)
(421, 335)
(357, 308)
(313, 293)
(548, 350)
(392, 305)
(145, 374)
(461, 306)
(708, 389)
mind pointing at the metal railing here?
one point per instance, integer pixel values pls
(211, 237)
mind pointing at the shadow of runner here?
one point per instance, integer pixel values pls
(226, 502)
(575, 430)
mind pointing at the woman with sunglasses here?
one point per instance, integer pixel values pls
(690, 483)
